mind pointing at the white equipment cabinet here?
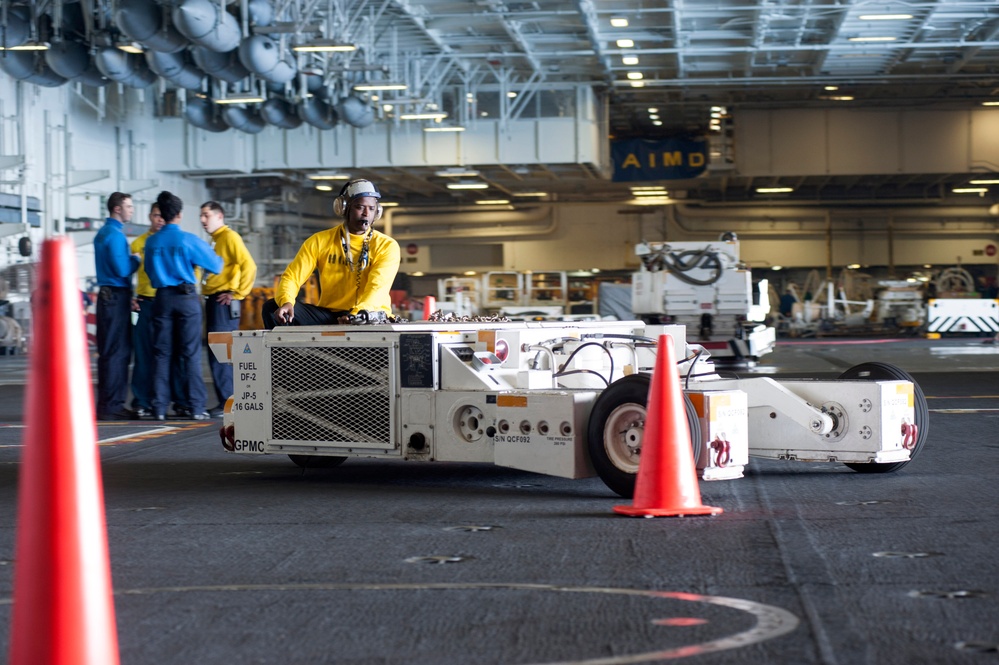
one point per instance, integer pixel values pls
(560, 398)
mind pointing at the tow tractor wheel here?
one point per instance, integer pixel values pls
(616, 427)
(886, 372)
(317, 461)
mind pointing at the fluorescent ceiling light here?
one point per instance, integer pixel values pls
(241, 99)
(635, 76)
(657, 123)
(983, 182)
(329, 176)
(30, 46)
(526, 194)
(653, 110)
(132, 47)
(647, 188)
(638, 84)
(777, 267)
(619, 22)
(629, 60)
(324, 46)
(990, 103)
(389, 204)
(884, 17)
(467, 185)
(774, 190)
(380, 86)
(652, 201)
(457, 173)
(837, 98)
(422, 116)
(625, 43)
(493, 202)
(651, 193)
(443, 129)
(872, 39)
(970, 190)
(324, 188)
(511, 94)
(653, 116)
(831, 88)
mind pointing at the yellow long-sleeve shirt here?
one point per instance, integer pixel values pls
(239, 270)
(323, 251)
(143, 287)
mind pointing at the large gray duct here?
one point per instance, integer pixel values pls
(201, 113)
(206, 24)
(224, 66)
(145, 21)
(30, 67)
(317, 113)
(18, 29)
(243, 119)
(68, 59)
(355, 112)
(127, 68)
(176, 68)
(262, 56)
(261, 12)
(280, 113)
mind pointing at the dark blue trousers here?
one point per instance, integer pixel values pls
(305, 315)
(177, 329)
(114, 348)
(218, 319)
(144, 366)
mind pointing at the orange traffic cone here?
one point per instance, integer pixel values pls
(63, 609)
(667, 478)
(429, 305)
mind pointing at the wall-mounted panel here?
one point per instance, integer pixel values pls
(557, 140)
(939, 138)
(799, 143)
(985, 139)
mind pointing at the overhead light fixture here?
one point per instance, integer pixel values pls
(872, 39)
(242, 99)
(457, 173)
(422, 116)
(363, 87)
(467, 185)
(629, 60)
(970, 190)
(774, 190)
(638, 84)
(776, 267)
(329, 176)
(653, 110)
(660, 192)
(131, 47)
(853, 266)
(990, 103)
(324, 46)
(625, 43)
(884, 17)
(389, 204)
(831, 88)
(527, 194)
(30, 46)
(444, 129)
(324, 188)
(635, 76)
(657, 123)
(493, 202)
(652, 201)
(983, 182)
(647, 188)
(837, 98)
(619, 22)
(511, 94)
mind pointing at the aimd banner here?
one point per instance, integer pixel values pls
(636, 160)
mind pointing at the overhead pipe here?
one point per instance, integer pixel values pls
(18, 27)
(178, 68)
(127, 68)
(263, 56)
(355, 112)
(201, 113)
(246, 120)
(67, 58)
(206, 24)
(223, 66)
(318, 113)
(278, 112)
(145, 21)
(30, 67)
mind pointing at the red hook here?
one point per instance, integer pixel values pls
(909, 435)
(723, 451)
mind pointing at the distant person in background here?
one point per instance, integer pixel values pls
(356, 267)
(224, 292)
(115, 266)
(142, 336)
(171, 257)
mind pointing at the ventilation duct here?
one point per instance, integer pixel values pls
(280, 113)
(68, 59)
(355, 112)
(30, 67)
(262, 56)
(261, 12)
(201, 113)
(127, 68)
(243, 119)
(317, 113)
(223, 66)
(207, 25)
(144, 21)
(17, 30)
(176, 68)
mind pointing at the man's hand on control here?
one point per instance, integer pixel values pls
(285, 313)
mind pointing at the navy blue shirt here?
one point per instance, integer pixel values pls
(171, 255)
(115, 263)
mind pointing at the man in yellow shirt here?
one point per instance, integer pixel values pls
(356, 266)
(224, 293)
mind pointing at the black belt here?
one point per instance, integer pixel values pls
(118, 288)
(144, 298)
(186, 289)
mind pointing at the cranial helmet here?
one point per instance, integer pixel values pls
(351, 191)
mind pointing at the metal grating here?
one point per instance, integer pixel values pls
(336, 395)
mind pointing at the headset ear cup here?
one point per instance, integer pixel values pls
(378, 213)
(339, 206)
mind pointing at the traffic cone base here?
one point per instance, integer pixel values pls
(666, 484)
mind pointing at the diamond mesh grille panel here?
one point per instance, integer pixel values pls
(335, 394)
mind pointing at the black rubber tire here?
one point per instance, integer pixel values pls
(630, 392)
(885, 372)
(317, 461)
